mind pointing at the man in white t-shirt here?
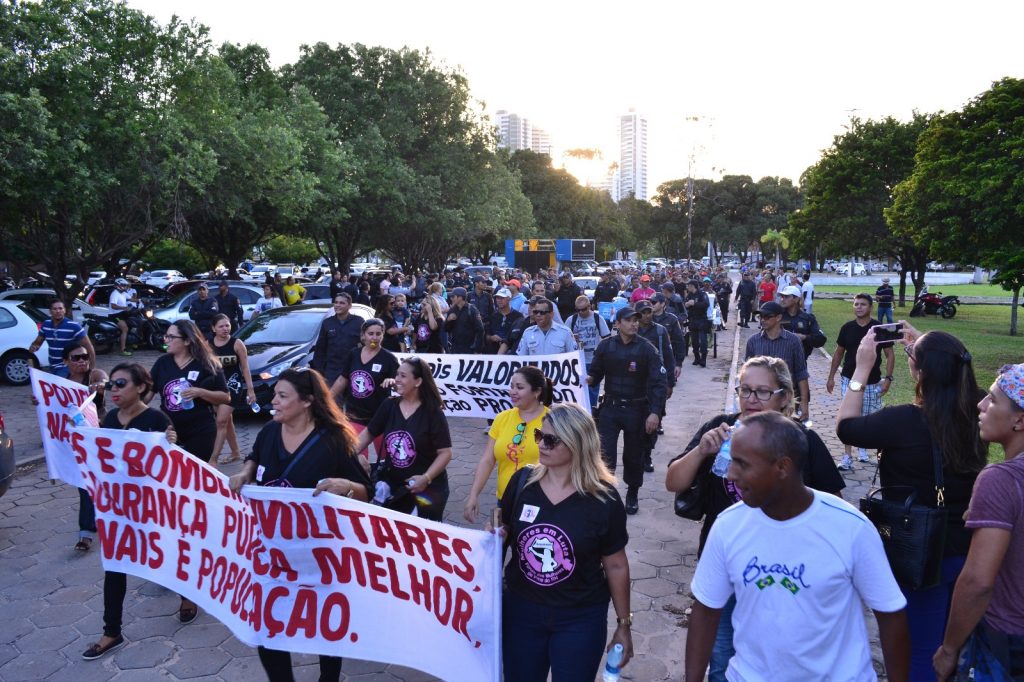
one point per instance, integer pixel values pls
(807, 292)
(800, 563)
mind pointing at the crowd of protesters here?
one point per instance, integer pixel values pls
(784, 563)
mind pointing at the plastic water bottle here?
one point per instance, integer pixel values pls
(613, 664)
(724, 456)
(255, 407)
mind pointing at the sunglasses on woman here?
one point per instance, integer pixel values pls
(79, 358)
(119, 383)
(549, 440)
(518, 438)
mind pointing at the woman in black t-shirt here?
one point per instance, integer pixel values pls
(191, 383)
(566, 524)
(417, 445)
(428, 327)
(309, 440)
(366, 378)
(765, 384)
(234, 361)
(944, 416)
(128, 382)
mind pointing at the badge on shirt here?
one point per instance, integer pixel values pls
(375, 367)
(632, 366)
(193, 375)
(260, 470)
(529, 513)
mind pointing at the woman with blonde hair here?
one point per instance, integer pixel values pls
(765, 384)
(566, 524)
(430, 325)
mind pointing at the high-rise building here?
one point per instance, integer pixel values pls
(632, 156)
(516, 132)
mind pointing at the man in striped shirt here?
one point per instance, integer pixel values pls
(58, 332)
(776, 342)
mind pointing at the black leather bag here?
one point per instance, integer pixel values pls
(690, 503)
(913, 535)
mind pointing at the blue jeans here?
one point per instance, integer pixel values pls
(565, 640)
(927, 611)
(723, 649)
(886, 313)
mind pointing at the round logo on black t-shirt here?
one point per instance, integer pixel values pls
(361, 384)
(546, 556)
(400, 448)
(423, 331)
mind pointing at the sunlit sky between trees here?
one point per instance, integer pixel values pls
(769, 83)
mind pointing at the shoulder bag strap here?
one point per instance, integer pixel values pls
(940, 484)
(300, 454)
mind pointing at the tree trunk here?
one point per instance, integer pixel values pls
(1013, 311)
(903, 287)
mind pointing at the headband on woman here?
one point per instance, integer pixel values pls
(1011, 382)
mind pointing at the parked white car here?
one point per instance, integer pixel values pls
(177, 309)
(164, 278)
(19, 327)
(259, 272)
(39, 298)
(588, 284)
(858, 269)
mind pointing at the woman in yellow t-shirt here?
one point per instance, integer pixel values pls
(511, 444)
(293, 292)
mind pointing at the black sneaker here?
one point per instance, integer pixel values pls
(632, 506)
(661, 431)
(648, 464)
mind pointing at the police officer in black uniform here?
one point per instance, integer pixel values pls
(607, 289)
(746, 291)
(635, 382)
(804, 325)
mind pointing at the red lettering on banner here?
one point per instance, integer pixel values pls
(335, 600)
(303, 616)
(57, 425)
(81, 456)
(396, 589)
(241, 526)
(384, 534)
(274, 626)
(419, 580)
(413, 538)
(64, 396)
(335, 569)
(183, 559)
(461, 549)
(146, 504)
(47, 390)
(104, 454)
(463, 612)
(439, 550)
(376, 572)
(355, 518)
(278, 563)
(132, 455)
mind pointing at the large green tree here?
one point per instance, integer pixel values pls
(964, 200)
(847, 191)
(92, 154)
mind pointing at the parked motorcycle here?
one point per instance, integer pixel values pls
(144, 331)
(935, 304)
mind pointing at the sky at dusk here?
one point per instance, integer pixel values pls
(750, 88)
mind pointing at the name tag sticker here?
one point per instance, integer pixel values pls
(260, 470)
(632, 367)
(375, 367)
(529, 513)
(193, 375)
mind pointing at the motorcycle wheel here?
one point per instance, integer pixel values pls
(917, 310)
(948, 311)
(156, 341)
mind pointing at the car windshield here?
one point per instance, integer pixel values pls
(289, 328)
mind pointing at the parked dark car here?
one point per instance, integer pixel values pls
(280, 339)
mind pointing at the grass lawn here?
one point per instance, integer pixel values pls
(983, 329)
(947, 290)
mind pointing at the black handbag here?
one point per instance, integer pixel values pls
(689, 503)
(913, 535)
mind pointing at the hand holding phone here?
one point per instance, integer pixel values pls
(888, 334)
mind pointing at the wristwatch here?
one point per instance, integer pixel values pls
(888, 377)
(627, 621)
(855, 386)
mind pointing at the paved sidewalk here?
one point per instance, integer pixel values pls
(51, 596)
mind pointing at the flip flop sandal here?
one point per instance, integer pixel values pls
(229, 459)
(83, 544)
(96, 651)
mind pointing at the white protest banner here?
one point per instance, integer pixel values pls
(286, 570)
(59, 402)
(477, 385)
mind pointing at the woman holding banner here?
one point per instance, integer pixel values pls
(308, 440)
(567, 527)
(79, 369)
(128, 383)
(366, 378)
(511, 444)
(417, 445)
(190, 382)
